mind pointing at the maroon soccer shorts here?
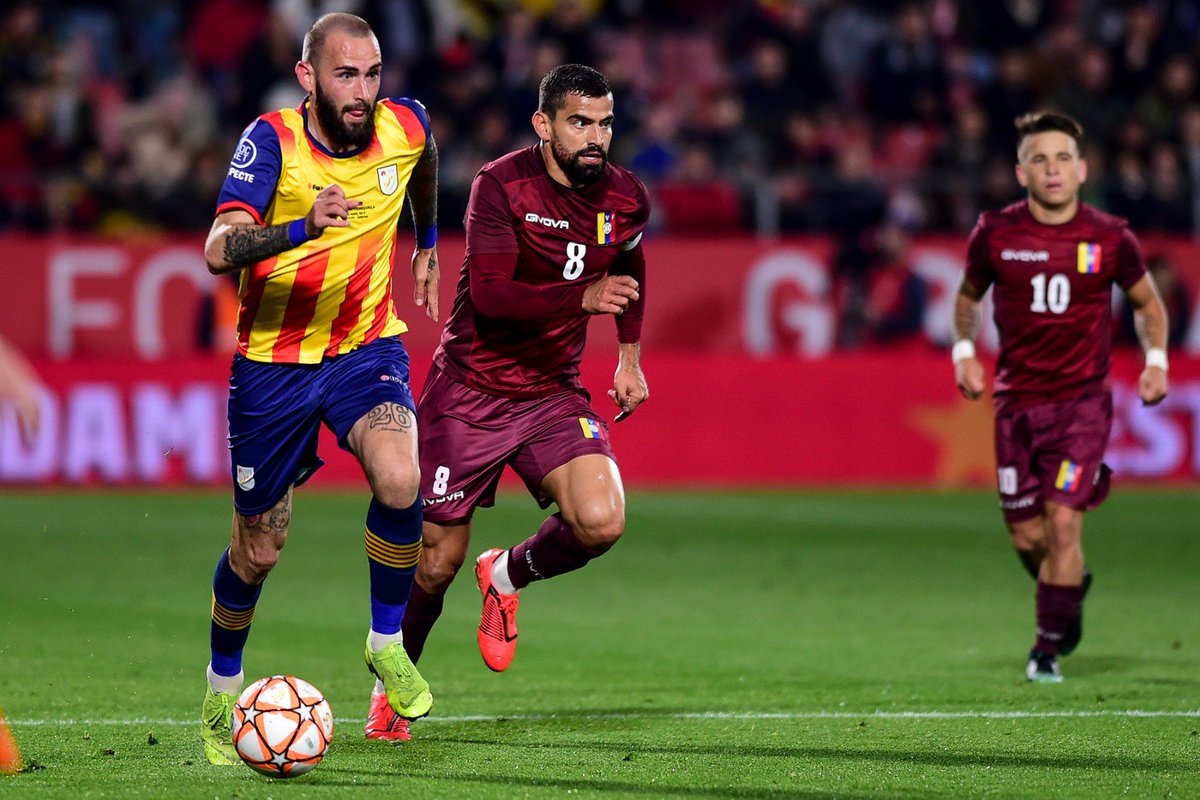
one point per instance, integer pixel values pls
(467, 437)
(1053, 451)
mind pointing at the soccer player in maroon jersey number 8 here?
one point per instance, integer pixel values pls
(553, 238)
(1052, 261)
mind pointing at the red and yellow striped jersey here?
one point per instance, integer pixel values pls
(334, 293)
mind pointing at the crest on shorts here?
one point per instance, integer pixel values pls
(591, 428)
(389, 179)
(245, 477)
(1069, 475)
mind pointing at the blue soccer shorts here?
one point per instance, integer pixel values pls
(276, 411)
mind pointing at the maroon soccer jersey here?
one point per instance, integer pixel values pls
(1052, 297)
(519, 332)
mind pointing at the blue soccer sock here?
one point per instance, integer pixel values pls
(232, 612)
(393, 541)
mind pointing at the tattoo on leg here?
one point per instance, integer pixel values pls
(274, 521)
(390, 417)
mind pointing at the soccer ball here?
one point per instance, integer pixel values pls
(282, 726)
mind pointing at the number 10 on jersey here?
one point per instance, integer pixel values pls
(1053, 295)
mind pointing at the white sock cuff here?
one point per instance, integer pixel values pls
(381, 640)
(225, 684)
(500, 575)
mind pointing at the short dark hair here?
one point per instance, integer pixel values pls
(568, 79)
(314, 40)
(1046, 121)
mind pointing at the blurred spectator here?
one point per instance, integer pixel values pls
(1170, 194)
(906, 79)
(1088, 96)
(1009, 96)
(896, 297)
(695, 199)
(1002, 25)
(959, 165)
(1189, 137)
(1139, 52)
(1174, 90)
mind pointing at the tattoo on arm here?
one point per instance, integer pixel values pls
(966, 318)
(249, 244)
(391, 417)
(1151, 328)
(422, 186)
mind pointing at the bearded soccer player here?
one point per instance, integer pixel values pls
(553, 238)
(1052, 261)
(308, 215)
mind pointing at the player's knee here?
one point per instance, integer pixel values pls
(435, 574)
(1065, 528)
(396, 488)
(1028, 539)
(597, 525)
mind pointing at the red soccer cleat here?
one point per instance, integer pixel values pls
(498, 623)
(383, 722)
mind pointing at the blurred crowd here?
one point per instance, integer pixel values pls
(866, 119)
(761, 115)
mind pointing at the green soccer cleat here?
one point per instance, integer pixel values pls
(407, 692)
(215, 728)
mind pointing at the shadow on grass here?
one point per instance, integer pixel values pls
(1104, 762)
(631, 788)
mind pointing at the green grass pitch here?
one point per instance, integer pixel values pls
(852, 644)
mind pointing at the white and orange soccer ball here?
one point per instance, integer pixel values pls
(282, 726)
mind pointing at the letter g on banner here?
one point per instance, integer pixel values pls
(787, 291)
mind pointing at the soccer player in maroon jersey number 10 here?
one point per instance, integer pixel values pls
(1052, 261)
(553, 239)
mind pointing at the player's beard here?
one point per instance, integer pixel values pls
(578, 173)
(343, 135)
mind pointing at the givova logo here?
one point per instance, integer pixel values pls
(1009, 254)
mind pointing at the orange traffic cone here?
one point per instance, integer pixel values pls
(10, 756)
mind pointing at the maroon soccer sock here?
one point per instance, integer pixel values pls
(423, 610)
(553, 550)
(1056, 606)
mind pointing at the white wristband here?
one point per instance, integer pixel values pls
(1157, 357)
(963, 349)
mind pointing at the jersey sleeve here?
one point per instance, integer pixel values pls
(980, 272)
(641, 216)
(633, 264)
(489, 220)
(418, 110)
(1131, 264)
(496, 293)
(253, 172)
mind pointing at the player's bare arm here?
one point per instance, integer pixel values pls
(1150, 321)
(19, 384)
(968, 371)
(629, 384)
(236, 240)
(422, 196)
(610, 295)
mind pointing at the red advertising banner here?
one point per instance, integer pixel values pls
(892, 417)
(88, 298)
